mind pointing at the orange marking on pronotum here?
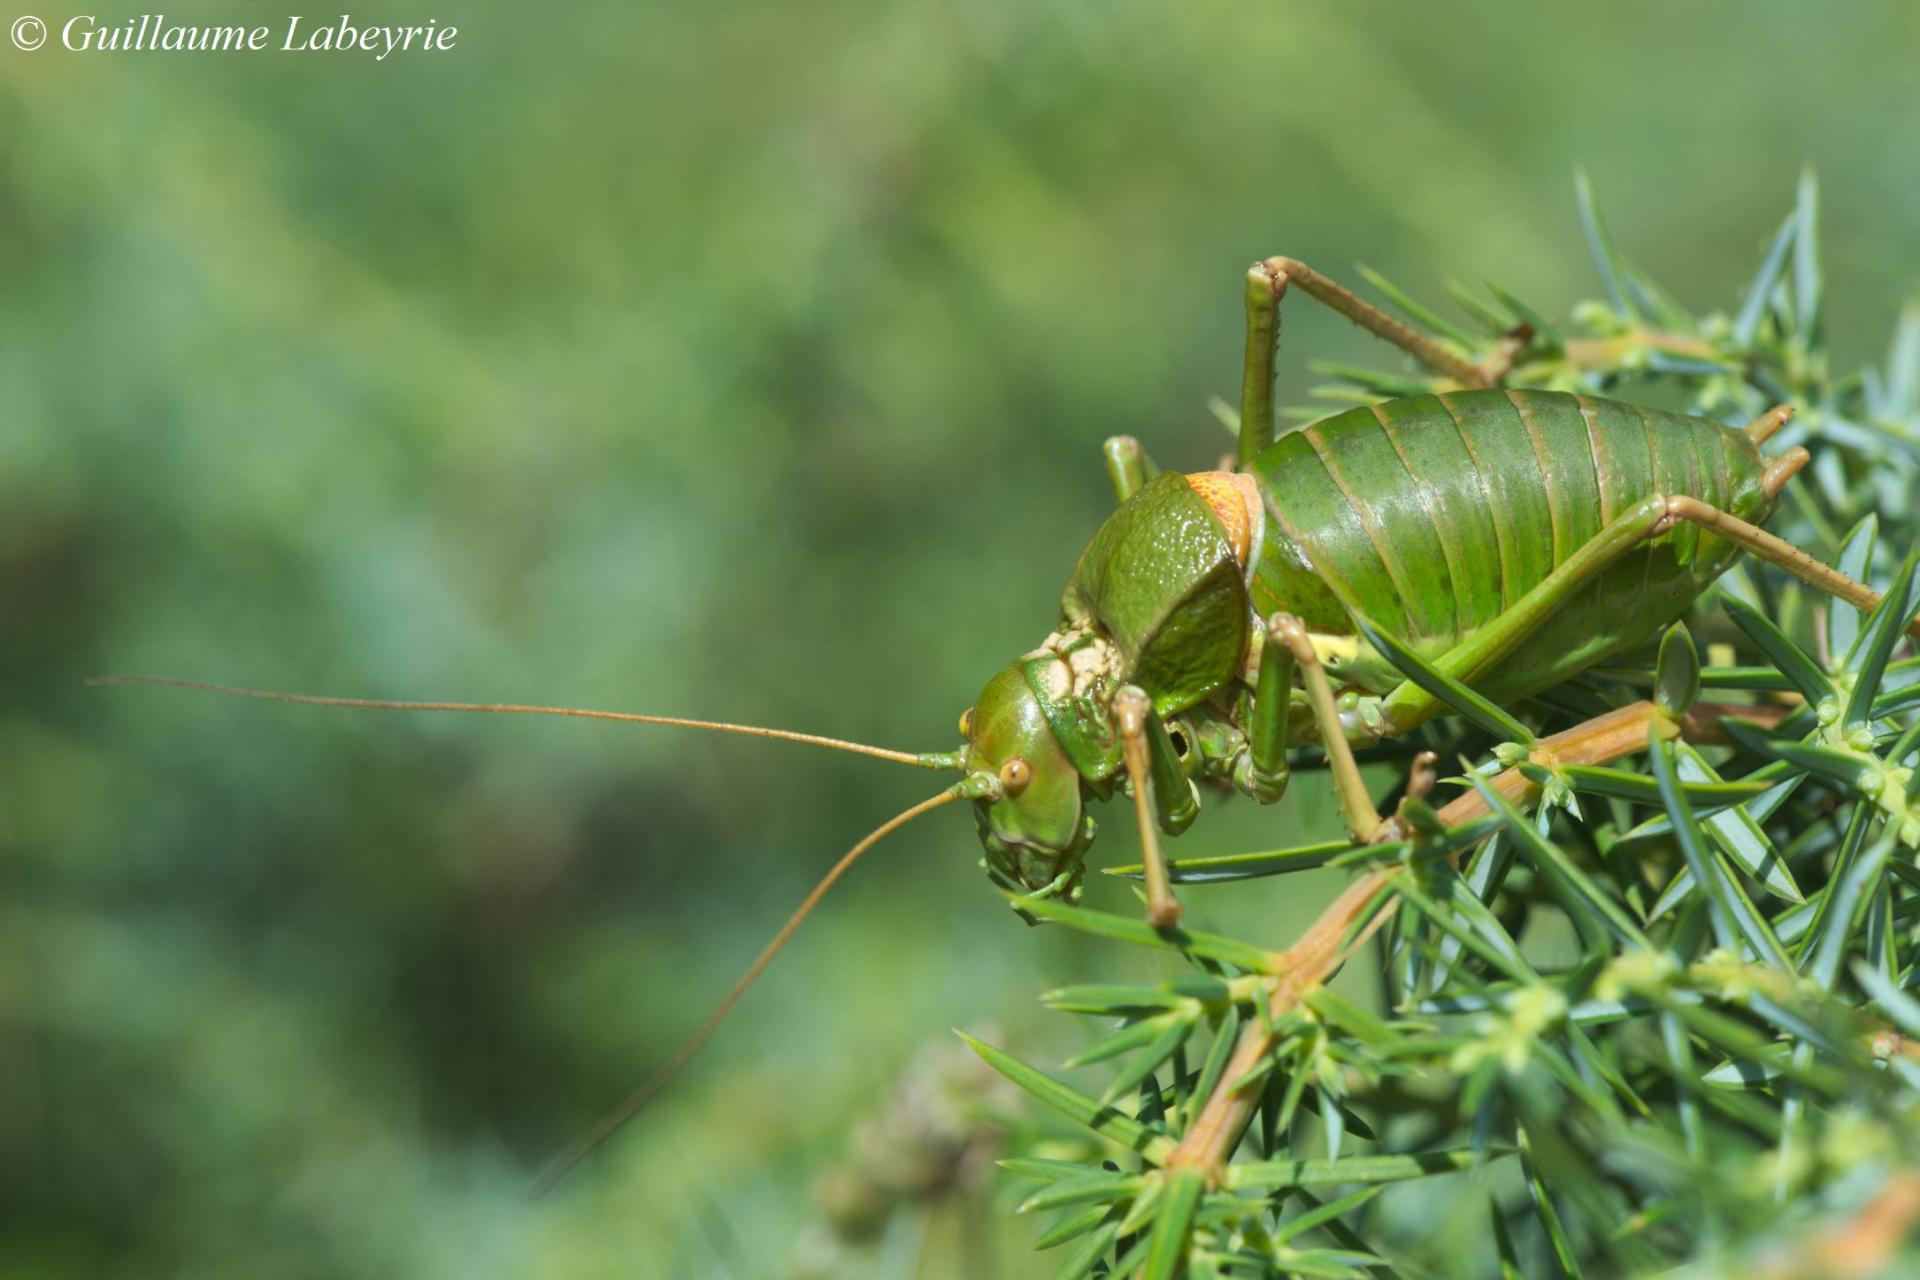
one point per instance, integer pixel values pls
(1231, 498)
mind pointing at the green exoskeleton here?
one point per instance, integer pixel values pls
(1512, 538)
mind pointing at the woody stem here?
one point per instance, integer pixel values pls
(1318, 953)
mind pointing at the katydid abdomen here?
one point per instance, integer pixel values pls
(1433, 515)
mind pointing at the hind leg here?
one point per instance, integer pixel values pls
(1408, 704)
(1267, 284)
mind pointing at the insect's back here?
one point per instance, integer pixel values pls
(1433, 514)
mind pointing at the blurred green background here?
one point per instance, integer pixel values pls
(742, 360)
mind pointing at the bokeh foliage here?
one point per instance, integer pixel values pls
(745, 361)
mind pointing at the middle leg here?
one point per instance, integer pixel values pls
(1162, 796)
(1356, 806)
(1128, 466)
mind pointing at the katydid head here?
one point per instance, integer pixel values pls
(1029, 802)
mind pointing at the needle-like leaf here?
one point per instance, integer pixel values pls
(1885, 628)
(1138, 931)
(1269, 1175)
(1753, 306)
(1856, 561)
(1792, 661)
(1480, 710)
(1577, 890)
(1167, 1243)
(1600, 245)
(1076, 1106)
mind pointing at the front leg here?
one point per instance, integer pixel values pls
(1162, 796)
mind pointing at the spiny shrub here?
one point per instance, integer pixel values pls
(1649, 993)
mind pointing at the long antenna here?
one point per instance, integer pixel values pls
(932, 760)
(639, 1098)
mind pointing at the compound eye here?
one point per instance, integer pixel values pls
(966, 724)
(1015, 774)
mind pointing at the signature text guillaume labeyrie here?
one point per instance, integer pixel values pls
(151, 32)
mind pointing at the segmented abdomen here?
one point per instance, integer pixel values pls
(1433, 514)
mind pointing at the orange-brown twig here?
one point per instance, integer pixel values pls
(1319, 952)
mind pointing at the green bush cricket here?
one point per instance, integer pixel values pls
(1507, 538)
